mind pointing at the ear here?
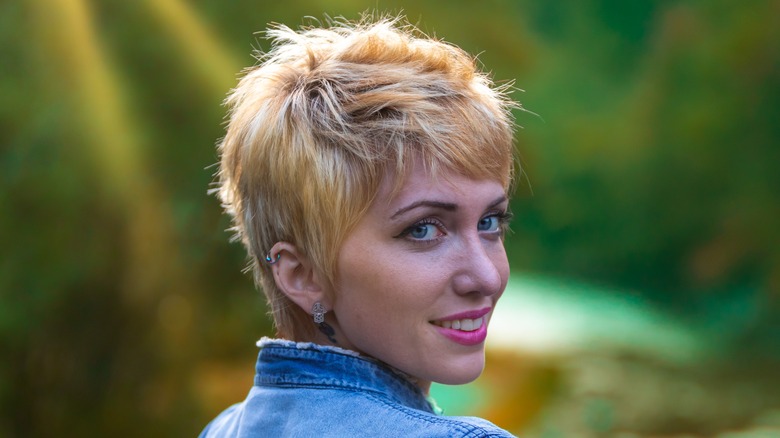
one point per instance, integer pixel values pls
(295, 277)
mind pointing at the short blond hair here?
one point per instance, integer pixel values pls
(327, 112)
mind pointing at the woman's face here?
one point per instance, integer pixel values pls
(419, 276)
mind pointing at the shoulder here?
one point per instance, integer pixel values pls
(410, 422)
(225, 424)
(331, 412)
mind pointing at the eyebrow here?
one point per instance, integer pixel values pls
(447, 206)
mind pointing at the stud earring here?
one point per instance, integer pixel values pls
(270, 260)
(318, 311)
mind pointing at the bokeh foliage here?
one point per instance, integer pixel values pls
(650, 152)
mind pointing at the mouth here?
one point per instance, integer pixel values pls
(465, 328)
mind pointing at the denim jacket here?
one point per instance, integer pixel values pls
(303, 390)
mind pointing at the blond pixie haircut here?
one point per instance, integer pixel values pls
(326, 114)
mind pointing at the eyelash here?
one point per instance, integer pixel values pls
(504, 218)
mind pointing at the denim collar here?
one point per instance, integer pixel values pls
(303, 364)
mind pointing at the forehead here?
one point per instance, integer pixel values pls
(418, 182)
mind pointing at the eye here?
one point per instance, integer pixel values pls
(495, 222)
(425, 230)
(489, 223)
(422, 231)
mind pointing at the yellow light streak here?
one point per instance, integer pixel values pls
(198, 42)
(81, 71)
(75, 59)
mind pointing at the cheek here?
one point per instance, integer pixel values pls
(364, 277)
(378, 282)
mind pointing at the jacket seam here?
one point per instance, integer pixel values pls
(467, 430)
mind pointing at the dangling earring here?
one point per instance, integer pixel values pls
(318, 312)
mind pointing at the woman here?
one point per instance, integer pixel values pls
(367, 170)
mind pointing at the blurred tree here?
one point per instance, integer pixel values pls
(652, 166)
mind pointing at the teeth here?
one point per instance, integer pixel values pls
(467, 325)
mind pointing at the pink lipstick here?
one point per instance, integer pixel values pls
(465, 328)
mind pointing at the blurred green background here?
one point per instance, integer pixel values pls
(645, 295)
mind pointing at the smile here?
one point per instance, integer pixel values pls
(466, 324)
(466, 328)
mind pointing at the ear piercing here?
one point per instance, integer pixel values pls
(318, 311)
(270, 260)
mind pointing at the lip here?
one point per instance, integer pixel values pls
(471, 338)
(469, 314)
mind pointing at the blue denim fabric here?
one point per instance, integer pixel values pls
(304, 390)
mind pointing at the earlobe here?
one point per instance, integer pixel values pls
(295, 276)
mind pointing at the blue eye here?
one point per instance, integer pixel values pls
(489, 223)
(422, 231)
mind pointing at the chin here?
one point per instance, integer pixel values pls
(460, 372)
(459, 379)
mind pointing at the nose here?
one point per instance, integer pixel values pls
(482, 267)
